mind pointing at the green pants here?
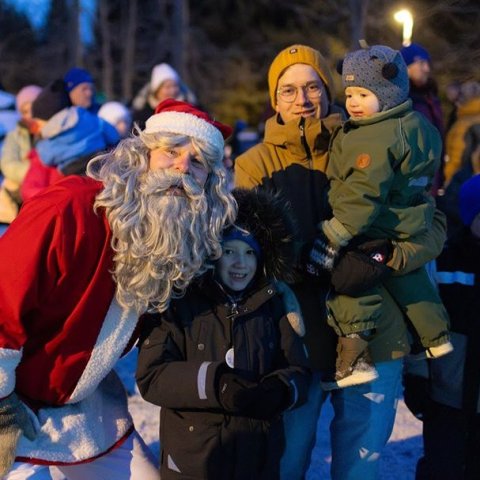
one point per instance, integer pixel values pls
(413, 292)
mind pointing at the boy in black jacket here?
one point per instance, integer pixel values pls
(226, 360)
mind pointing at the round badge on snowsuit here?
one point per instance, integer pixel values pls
(363, 160)
(230, 357)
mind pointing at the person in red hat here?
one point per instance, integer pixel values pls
(78, 266)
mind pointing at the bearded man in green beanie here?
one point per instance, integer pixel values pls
(292, 161)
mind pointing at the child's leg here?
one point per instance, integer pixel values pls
(354, 319)
(347, 315)
(418, 298)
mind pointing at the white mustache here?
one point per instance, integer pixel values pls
(158, 182)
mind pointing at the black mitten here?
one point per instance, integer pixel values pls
(361, 268)
(273, 397)
(234, 392)
(322, 255)
(380, 250)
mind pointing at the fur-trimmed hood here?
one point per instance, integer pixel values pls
(268, 218)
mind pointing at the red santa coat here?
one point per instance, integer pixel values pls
(61, 331)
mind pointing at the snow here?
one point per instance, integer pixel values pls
(397, 462)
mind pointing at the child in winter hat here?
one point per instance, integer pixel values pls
(242, 360)
(118, 115)
(381, 167)
(52, 99)
(379, 69)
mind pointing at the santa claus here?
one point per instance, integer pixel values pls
(80, 264)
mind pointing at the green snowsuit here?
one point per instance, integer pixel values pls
(380, 170)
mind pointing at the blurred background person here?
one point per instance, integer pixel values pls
(164, 83)
(468, 114)
(14, 162)
(69, 137)
(118, 115)
(81, 89)
(451, 417)
(424, 95)
(8, 114)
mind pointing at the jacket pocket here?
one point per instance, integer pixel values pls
(191, 443)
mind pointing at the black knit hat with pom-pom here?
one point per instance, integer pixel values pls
(379, 69)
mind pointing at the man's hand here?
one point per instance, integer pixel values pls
(14, 421)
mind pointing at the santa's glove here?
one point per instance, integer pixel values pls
(14, 421)
(323, 255)
(234, 392)
(273, 397)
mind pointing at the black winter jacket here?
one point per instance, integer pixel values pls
(178, 361)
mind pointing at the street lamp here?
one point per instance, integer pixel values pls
(405, 18)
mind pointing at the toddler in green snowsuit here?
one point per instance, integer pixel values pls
(381, 165)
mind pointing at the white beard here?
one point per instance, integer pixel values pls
(163, 244)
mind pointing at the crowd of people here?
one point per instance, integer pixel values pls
(324, 261)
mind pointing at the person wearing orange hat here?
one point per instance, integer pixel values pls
(78, 266)
(292, 161)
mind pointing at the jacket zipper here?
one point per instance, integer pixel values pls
(305, 143)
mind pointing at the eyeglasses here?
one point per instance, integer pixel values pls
(288, 93)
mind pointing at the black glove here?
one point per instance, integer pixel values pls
(272, 398)
(359, 269)
(380, 250)
(322, 256)
(235, 393)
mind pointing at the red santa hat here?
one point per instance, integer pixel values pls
(173, 116)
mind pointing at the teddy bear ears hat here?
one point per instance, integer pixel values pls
(379, 69)
(174, 116)
(299, 54)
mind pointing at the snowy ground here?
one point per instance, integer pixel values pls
(397, 463)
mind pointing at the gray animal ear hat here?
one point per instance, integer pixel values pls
(379, 69)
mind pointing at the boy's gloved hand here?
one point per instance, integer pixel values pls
(235, 393)
(323, 255)
(271, 400)
(14, 421)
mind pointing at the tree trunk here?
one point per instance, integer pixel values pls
(358, 15)
(179, 36)
(75, 46)
(107, 63)
(128, 54)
